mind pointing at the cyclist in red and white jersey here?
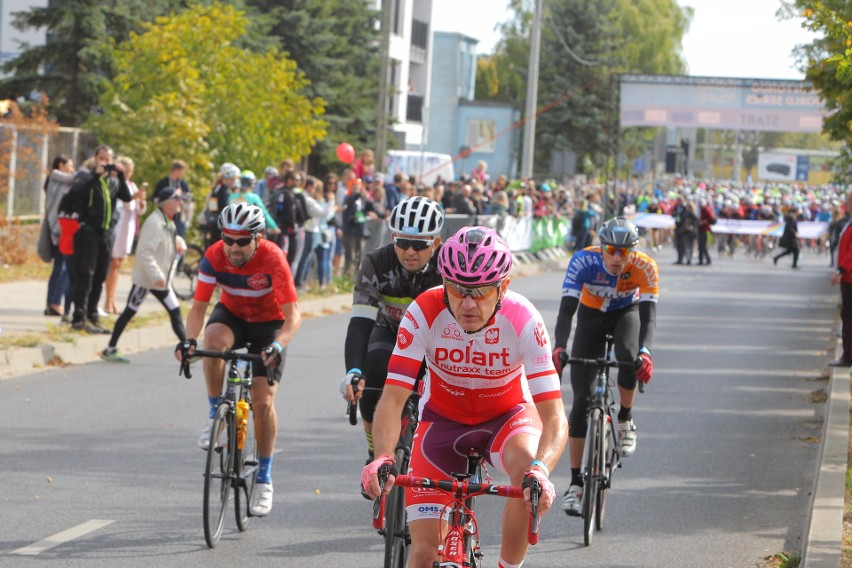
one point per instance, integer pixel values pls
(490, 386)
(258, 306)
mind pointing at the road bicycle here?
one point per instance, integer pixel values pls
(395, 528)
(232, 461)
(459, 546)
(600, 454)
(186, 273)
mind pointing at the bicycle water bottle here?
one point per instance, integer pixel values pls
(242, 423)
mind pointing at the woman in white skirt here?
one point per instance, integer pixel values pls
(124, 231)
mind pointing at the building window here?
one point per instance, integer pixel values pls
(419, 34)
(480, 135)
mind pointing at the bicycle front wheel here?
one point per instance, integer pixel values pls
(187, 272)
(217, 480)
(592, 475)
(247, 460)
(609, 461)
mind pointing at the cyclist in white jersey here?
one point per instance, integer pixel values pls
(490, 386)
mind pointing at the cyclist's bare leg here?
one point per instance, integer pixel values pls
(575, 451)
(517, 454)
(425, 538)
(265, 417)
(217, 337)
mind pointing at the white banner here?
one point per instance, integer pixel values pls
(807, 229)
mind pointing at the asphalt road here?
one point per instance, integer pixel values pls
(99, 465)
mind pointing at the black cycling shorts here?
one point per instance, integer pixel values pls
(257, 335)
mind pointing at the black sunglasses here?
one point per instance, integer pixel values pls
(244, 242)
(417, 244)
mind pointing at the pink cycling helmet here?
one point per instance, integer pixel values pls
(475, 256)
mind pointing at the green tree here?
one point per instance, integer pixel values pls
(73, 67)
(828, 65)
(183, 89)
(336, 45)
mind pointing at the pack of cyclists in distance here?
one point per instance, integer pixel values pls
(443, 314)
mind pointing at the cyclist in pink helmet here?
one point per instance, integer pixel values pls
(475, 256)
(492, 387)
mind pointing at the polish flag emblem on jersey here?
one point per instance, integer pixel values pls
(540, 336)
(256, 281)
(492, 336)
(404, 338)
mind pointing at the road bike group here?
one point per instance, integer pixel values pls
(430, 318)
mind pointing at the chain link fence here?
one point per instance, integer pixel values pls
(28, 157)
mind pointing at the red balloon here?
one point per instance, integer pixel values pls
(345, 153)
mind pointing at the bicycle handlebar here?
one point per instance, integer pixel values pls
(227, 356)
(603, 363)
(460, 489)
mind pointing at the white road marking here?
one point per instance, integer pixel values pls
(62, 537)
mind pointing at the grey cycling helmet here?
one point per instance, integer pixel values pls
(229, 171)
(417, 216)
(242, 217)
(619, 232)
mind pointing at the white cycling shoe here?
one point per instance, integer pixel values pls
(572, 501)
(204, 438)
(626, 438)
(261, 500)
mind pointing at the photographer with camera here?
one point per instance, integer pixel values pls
(94, 195)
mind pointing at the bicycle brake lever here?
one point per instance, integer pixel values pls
(184, 368)
(352, 409)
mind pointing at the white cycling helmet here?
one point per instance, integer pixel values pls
(418, 217)
(229, 171)
(242, 217)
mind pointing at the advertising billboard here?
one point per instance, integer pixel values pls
(765, 105)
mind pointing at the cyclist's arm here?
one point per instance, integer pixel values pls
(554, 435)
(292, 323)
(357, 336)
(647, 324)
(567, 309)
(195, 319)
(365, 309)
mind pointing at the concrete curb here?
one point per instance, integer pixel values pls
(823, 545)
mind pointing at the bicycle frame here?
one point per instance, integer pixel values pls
(459, 546)
(600, 456)
(231, 466)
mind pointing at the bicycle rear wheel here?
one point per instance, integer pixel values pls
(592, 475)
(247, 459)
(217, 480)
(187, 272)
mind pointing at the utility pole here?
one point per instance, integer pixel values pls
(532, 94)
(384, 84)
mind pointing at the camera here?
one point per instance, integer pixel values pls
(109, 167)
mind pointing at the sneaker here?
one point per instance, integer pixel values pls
(261, 500)
(842, 362)
(66, 318)
(204, 438)
(626, 438)
(112, 355)
(572, 501)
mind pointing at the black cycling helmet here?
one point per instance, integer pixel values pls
(619, 232)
